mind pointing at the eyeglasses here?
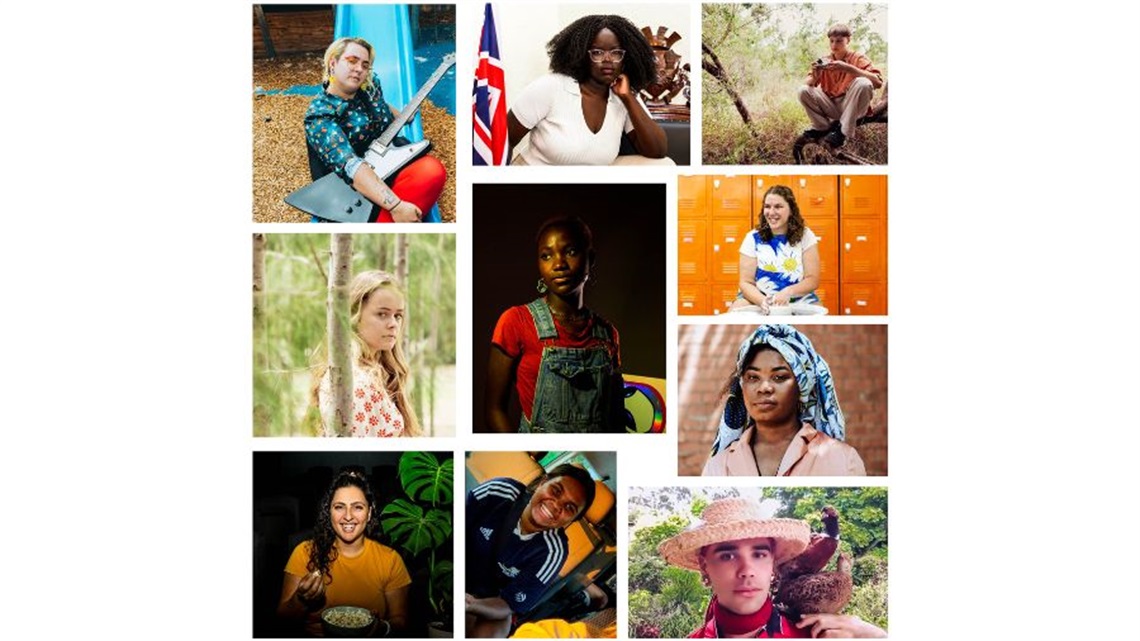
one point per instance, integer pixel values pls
(598, 55)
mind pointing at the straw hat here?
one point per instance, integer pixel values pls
(732, 520)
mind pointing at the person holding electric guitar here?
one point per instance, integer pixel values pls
(344, 121)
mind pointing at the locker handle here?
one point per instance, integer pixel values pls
(847, 246)
(687, 305)
(687, 239)
(716, 248)
(731, 239)
(860, 239)
(860, 303)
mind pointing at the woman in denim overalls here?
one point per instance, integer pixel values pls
(563, 358)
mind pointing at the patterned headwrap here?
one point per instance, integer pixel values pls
(818, 404)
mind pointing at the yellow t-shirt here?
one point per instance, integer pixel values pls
(360, 581)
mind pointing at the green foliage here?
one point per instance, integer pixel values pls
(669, 602)
(698, 505)
(413, 527)
(426, 478)
(418, 528)
(766, 52)
(292, 326)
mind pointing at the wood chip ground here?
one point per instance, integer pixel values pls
(280, 162)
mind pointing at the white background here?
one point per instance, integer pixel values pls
(1013, 319)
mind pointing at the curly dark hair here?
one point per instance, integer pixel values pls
(795, 219)
(570, 471)
(568, 50)
(573, 224)
(322, 549)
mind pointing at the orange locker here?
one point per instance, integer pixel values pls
(864, 299)
(816, 195)
(864, 196)
(692, 299)
(692, 197)
(828, 292)
(731, 197)
(827, 230)
(864, 250)
(727, 234)
(692, 257)
(722, 296)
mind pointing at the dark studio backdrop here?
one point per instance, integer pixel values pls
(287, 490)
(627, 284)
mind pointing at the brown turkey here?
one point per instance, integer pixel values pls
(822, 592)
(803, 588)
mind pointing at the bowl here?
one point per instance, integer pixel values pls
(346, 621)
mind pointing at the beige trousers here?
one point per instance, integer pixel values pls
(822, 110)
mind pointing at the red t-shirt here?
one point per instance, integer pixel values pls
(516, 336)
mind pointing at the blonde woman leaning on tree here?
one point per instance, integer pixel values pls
(380, 405)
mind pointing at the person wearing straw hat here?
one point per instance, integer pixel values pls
(781, 415)
(737, 550)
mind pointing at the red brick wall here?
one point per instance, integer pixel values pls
(857, 355)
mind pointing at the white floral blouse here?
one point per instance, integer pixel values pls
(374, 413)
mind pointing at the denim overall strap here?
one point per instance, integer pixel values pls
(572, 389)
(543, 319)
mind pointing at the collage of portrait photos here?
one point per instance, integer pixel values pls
(662, 262)
(594, 340)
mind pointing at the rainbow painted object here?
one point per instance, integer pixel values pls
(644, 404)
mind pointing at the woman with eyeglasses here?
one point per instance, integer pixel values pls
(577, 114)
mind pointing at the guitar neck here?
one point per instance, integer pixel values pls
(413, 105)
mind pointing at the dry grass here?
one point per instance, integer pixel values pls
(280, 161)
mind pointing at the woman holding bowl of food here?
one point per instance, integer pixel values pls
(342, 566)
(779, 260)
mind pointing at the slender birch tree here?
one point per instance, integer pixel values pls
(337, 318)
(258, 277)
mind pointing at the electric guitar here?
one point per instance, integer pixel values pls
(331, 198)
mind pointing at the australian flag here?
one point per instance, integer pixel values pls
(488, 97)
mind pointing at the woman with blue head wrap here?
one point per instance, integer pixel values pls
(781, 416)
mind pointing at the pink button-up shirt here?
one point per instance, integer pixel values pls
(811, 453)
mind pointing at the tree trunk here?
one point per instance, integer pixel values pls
(711, 63)
(402, 274)
(337, 318)
(258, 278)
(433, 329)
(383, 260)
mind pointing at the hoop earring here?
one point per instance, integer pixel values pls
(541, 286)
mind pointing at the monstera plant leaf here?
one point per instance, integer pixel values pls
(413, 528)
(425, 478)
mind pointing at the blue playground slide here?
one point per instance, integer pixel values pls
(388, 28)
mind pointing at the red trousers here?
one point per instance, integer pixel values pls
(419, 183)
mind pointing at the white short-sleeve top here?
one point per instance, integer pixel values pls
(551, 107)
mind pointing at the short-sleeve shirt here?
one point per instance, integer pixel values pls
(835, 82)
(525, 564)
(339, 130)
(551, 108)
(517, 336)
(779, 263)
(374, 413)
(360, 581)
